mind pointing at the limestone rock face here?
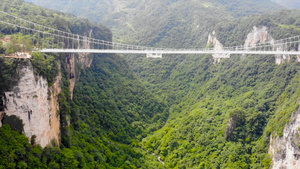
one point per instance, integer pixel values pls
(285, 150)
(32, 102)
(84, 62)
(281, 58)
(217, 45)
(256, 36)
(1, 117)
(260, 35)
(71, 67)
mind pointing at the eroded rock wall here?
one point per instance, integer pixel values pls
(217, 45)
(257, 35)
(285, 150)
(36, 104)
(84, 62)
(1, 117)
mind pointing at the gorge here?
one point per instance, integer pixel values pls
(124, 111)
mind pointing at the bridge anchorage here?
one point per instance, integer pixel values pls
(52, 40)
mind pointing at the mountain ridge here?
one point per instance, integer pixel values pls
(291, 4)
(153, 23)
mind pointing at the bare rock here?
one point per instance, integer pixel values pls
(31, 101)
(285, 150)
(218, 46)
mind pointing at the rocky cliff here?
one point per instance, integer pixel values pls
(33, 101)
(217, 45)
(257, 35)
(84, 61)
(285, 150)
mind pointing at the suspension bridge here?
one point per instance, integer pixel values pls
(50, 40)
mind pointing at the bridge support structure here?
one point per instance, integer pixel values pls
(154, 55)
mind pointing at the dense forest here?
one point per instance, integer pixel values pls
(292, 4)
(175, 112)
(254, 95)
(110, 113)
(167, 23)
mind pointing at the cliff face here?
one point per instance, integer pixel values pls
(285, 150)
(259, 34)
(84, 61)
(256, 36)
(217, 45)
(1, 117)
(31, 101)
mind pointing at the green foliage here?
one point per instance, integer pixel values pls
(15, 123)
(18, 43)
(46, 66)
(32, 140)
(16, 152)
(244, 7)
(78, 149)
(64, 22)
(8, 73)
(292, 4)
(109, 106)
(281, 24)
(118, 104)
(222, 115)
(236, 99)
(93, 144)
(174, 24)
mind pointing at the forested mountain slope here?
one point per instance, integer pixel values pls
(223, 114)
(292, 4)
(112, 11)
(101, 127)
(160, 23)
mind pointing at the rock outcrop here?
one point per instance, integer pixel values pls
(217, 45)
(71, 67)
(37, 105)
(260, 35)
(84, 62)
(285, 150)
(1, 117)
(256, 36)
(281, 58)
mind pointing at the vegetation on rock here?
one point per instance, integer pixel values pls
(221, 115)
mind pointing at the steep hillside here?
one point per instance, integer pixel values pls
(223, 115)
(112, 101)
(235, 113)
(156, 22)
(292, 4)
(111, 111)
(32, 92)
